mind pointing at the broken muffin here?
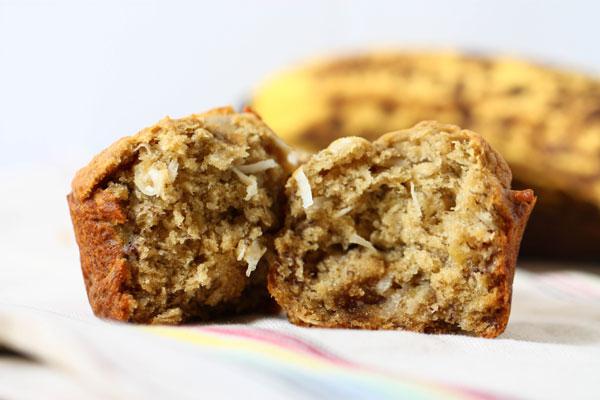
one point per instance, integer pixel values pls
(175, 223)
(417, 230)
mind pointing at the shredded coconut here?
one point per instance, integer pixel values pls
(144, 146)
(249, 181)
(171, 316)
(415, 201)
(292, 155)
(241, 250)
(486, 218)
(342, 145)
(356, 239)
(172, 169)
(342, 212)
(304, 188)
(152, 180)
(390, 306)
(252, 256)
(384, 284)
(293, 158)
(257, 166)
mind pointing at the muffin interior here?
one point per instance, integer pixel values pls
(404, 233)
(202, 203)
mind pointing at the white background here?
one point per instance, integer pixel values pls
(76, 75)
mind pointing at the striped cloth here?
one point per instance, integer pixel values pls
(550, 350)
(52, 347)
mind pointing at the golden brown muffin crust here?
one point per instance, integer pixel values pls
(105, 268)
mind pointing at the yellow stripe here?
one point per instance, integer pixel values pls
(235, 343)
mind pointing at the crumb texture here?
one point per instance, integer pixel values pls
(201, 199)
(417, 230)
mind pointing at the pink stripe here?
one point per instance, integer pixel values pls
(571, 285)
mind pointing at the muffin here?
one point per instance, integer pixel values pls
(417, 230)
(545, 123)
(176, 222)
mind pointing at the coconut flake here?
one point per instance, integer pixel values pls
(342, 212)
(293, 158)
(171, 316)
(152, 180)
(252, 255)
(249, 181)
(292, 155)
(384, 284)
(144, 146)
(357, 239)
(172, 168)
(241, 250)
(258, 166)
(391, 305)
(415, 200)
(304, 188)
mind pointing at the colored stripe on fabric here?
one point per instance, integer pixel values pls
(574, 285)
(309, 367)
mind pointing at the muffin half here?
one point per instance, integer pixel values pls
(417, 230)
(175, 223)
